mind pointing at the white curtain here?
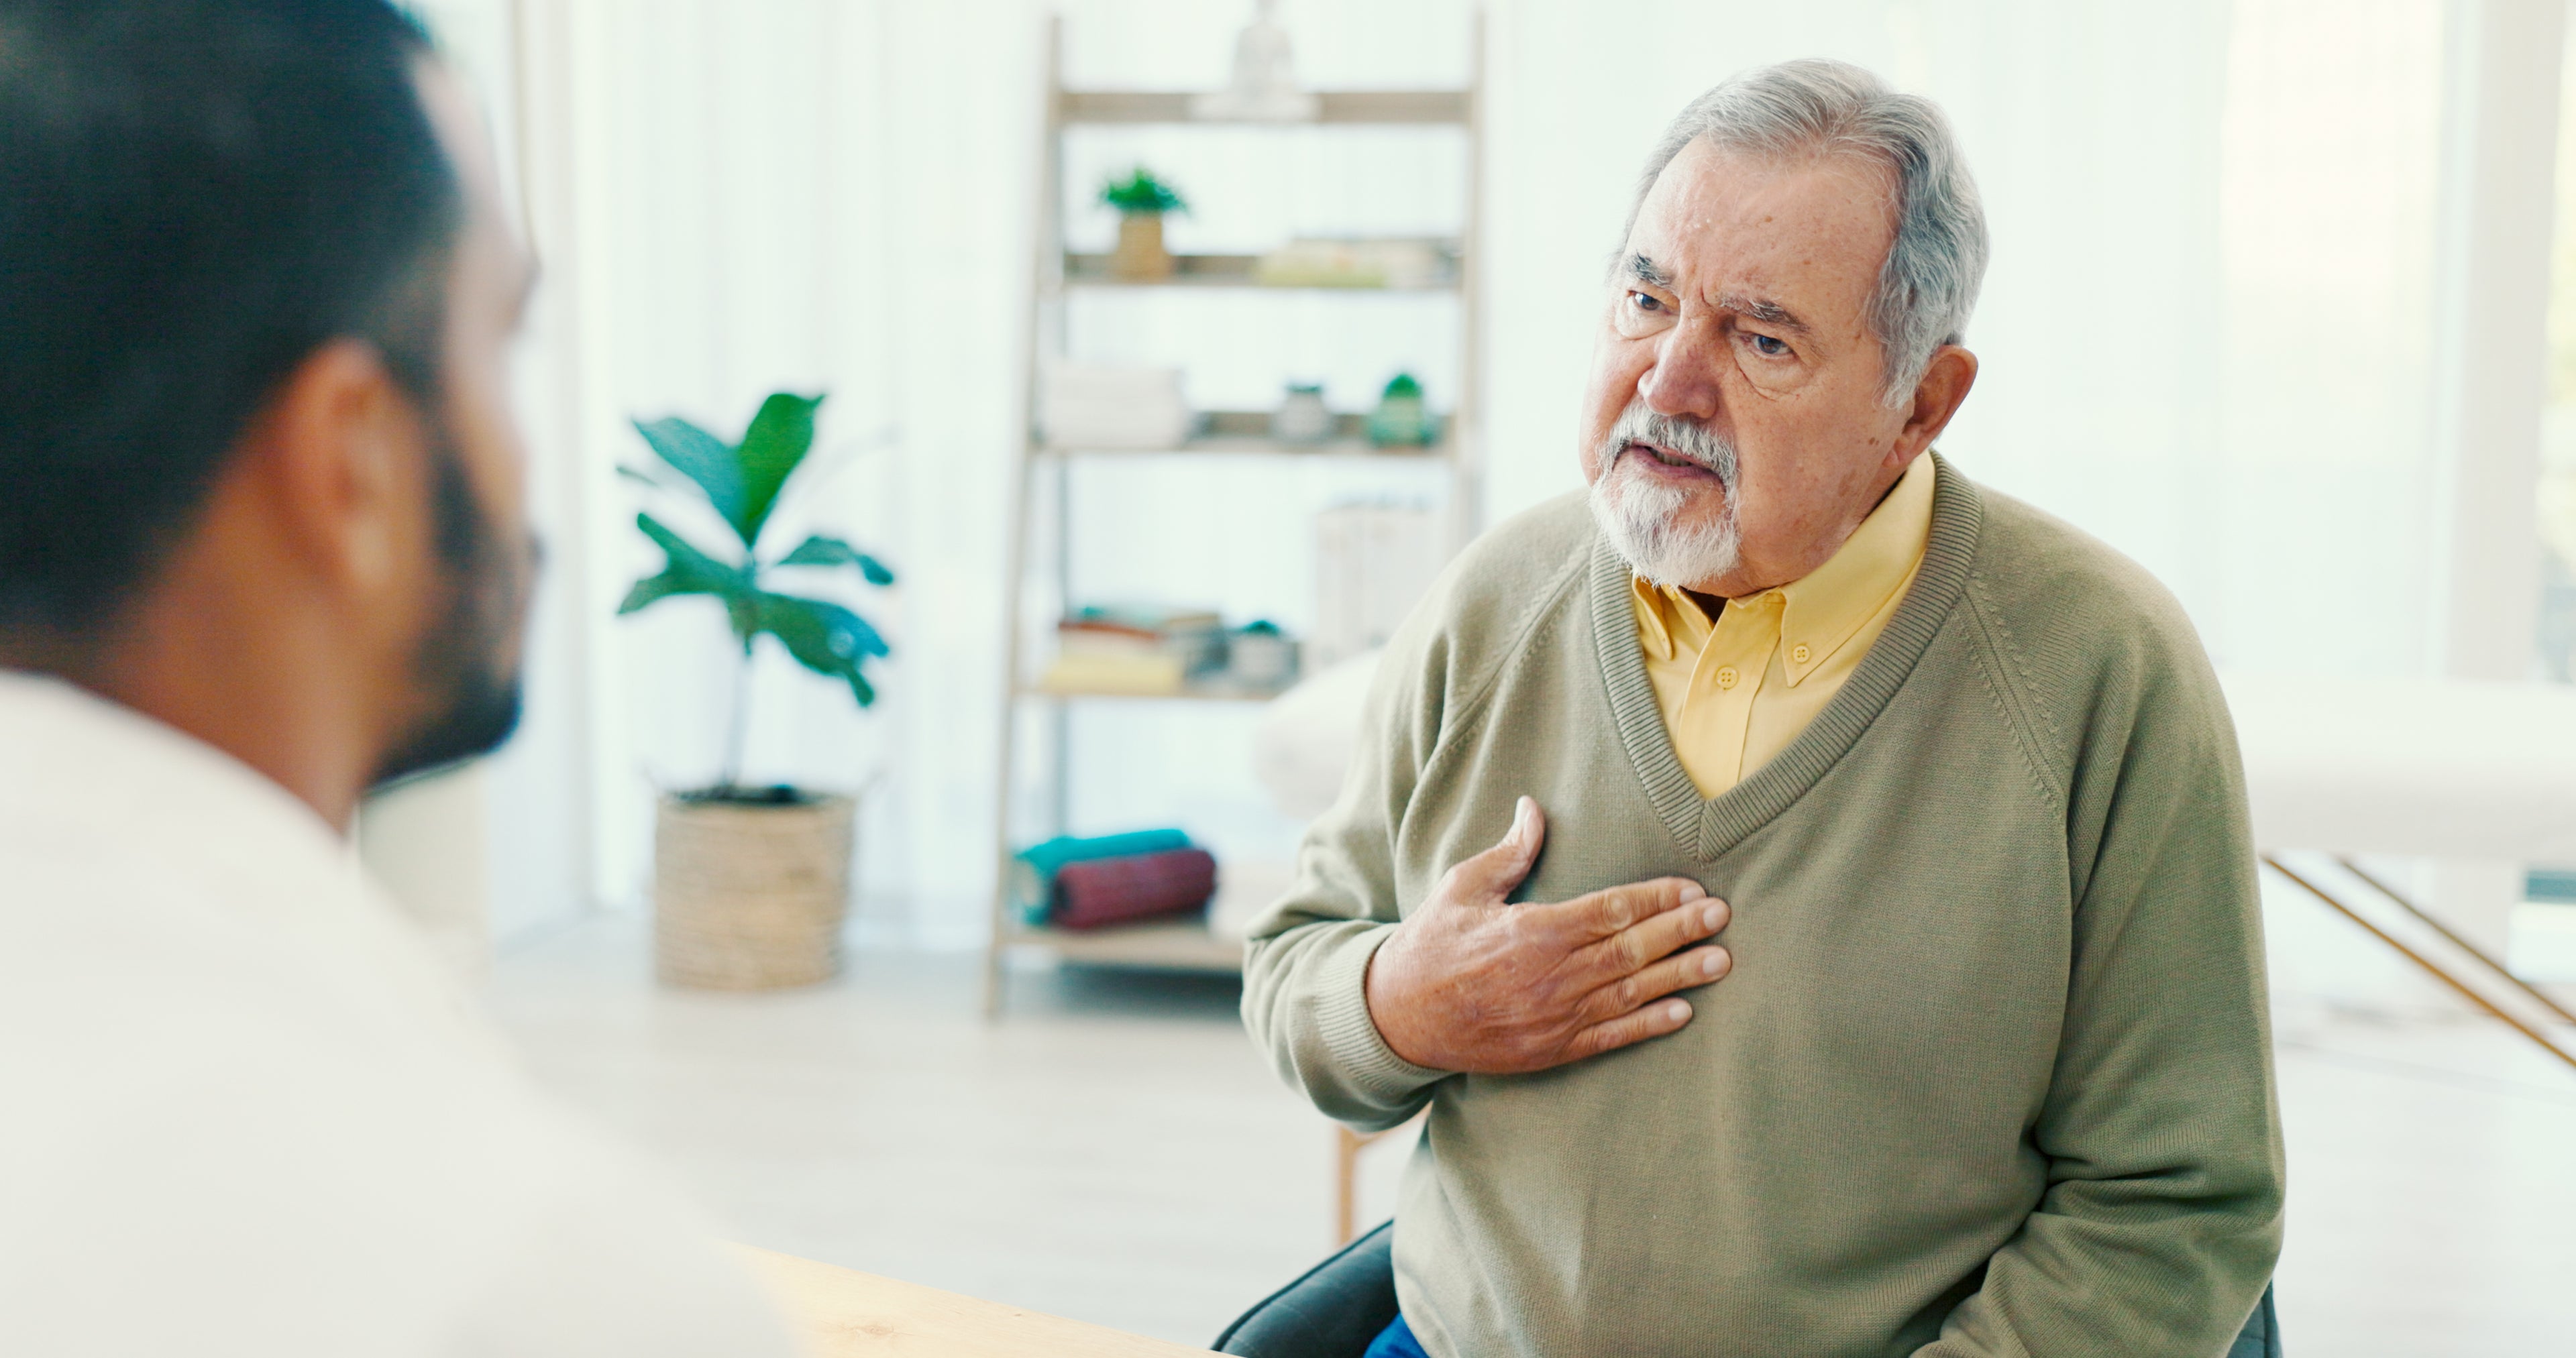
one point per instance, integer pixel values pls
(2207, 335)
(728, 200)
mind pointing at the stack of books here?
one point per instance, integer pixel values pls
(1312, 262)
(1090, 883)
(1135, 650)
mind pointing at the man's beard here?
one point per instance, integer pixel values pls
(1642, 515)
(463, 659)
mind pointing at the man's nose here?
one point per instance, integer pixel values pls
(1684, 378)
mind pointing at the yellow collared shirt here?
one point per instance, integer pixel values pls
(1735, 692)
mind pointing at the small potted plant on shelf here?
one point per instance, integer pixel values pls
(751, 884)
(1141, 200)
(1400, 420)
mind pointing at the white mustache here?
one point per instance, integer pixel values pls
(1690, 439)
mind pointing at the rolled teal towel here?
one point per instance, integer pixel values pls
(1038, 862)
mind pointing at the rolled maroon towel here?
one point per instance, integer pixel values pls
(1139, 886)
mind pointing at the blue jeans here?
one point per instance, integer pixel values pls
(2261, 1339)
(1395, 1341)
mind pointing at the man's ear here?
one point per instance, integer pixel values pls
(337, 453)
(1944, 385)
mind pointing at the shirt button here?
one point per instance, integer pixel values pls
(1798, 654)
(1726, 676)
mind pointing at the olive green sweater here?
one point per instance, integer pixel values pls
(1991, 1074)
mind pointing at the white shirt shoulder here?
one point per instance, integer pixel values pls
(246, 1114)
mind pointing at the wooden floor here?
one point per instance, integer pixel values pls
(1115, 1152)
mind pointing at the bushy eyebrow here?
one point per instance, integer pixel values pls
(1643, 269)
(1764, 310)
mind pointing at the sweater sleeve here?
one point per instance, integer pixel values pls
(1306, 962)
(2162, 1214)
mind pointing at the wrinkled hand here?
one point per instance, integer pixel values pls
(1471, 983)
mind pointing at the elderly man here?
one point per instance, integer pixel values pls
(1810, 892)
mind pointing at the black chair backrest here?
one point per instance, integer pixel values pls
(1332, 1311)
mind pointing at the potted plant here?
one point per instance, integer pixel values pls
(1141, 200)
(751, 884)
(1400, 420)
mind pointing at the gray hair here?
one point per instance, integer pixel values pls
(1929, 283)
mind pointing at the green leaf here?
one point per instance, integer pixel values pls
(824, 637)
(778, 439)
(686, 570)
(822, 551)
(704, 459)
(1142, 192)
(638, 474)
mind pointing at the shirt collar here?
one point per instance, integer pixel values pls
(1823, 611)
(1669, 621)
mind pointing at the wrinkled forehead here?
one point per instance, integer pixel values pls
(1719, 221)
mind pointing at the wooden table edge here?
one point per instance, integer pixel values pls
(843, 1313)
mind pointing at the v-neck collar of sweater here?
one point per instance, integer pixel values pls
(1710, 827)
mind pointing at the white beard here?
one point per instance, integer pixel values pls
(1639, 513)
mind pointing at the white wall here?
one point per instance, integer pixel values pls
(2206, 331)
(2209, 333)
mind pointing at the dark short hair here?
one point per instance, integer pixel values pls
(194, 196)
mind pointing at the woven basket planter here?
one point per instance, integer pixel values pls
(1141, 256)
(749, 896)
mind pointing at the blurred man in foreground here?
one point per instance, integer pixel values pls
(262, 546)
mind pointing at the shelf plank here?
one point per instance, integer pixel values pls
(1335, 106)
(1246, 433)
(1218, 447)
(1195, 693)
(1218, 271)
(1172, 945)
